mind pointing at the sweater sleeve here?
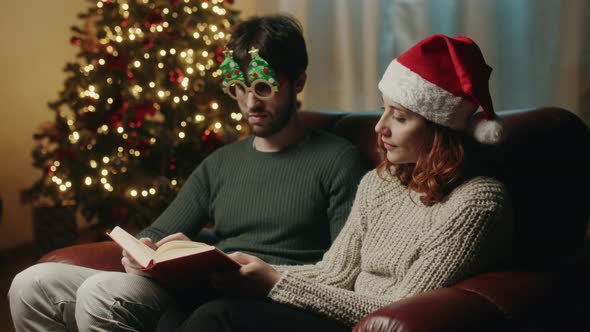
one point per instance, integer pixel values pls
(342, 305)
(188, 212)
(347, 171)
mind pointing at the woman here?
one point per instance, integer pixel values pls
(420, 221)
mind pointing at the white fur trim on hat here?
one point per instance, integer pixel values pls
(487, 131)
(425, 98)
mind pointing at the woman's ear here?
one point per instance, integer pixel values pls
(300, 82)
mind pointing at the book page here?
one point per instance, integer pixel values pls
(179, 248)
(137, 249)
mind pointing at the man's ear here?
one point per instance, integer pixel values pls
(300, 82)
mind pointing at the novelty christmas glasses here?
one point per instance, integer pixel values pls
(263, 82)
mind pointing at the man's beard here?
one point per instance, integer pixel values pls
(277, 122)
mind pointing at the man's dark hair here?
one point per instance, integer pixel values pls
(279, 39)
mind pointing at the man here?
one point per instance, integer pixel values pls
(282, 195)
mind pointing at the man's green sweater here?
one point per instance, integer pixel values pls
(285, 207)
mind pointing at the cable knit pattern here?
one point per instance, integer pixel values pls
(393, 247)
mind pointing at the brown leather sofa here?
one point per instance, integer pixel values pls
(545, 163)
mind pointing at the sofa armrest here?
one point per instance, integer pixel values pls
(104, 255)
(516, 293)
(499, 301)
(533, 301)
(443, 309)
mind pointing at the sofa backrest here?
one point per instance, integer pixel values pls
(544, 162)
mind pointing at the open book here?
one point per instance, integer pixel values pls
(176, 262)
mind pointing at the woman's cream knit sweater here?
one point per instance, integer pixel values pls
(393, 247)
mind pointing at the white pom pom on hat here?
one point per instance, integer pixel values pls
(445, 79)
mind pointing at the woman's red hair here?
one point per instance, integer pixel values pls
(439, 166)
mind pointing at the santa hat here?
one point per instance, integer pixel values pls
(445, 80)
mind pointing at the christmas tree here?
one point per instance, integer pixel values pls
(140, 108)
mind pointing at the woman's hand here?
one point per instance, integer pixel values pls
(255, 278)
(130, 265)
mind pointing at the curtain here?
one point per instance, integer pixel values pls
(539, 49)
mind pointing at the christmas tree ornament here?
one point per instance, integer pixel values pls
(175, 76)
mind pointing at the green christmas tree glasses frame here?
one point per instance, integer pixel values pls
(263, 82)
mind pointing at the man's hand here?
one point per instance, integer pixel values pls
(130, 264)
(255, 278)
(175, 236)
